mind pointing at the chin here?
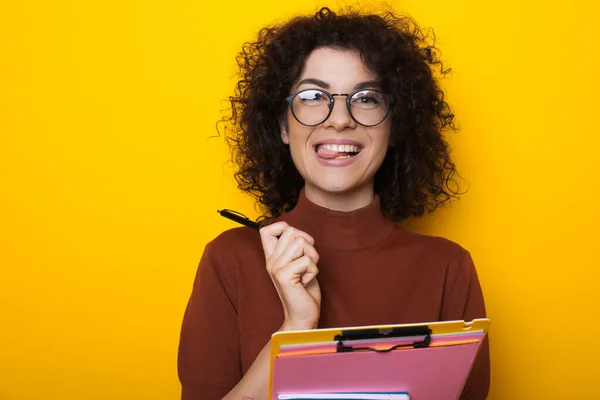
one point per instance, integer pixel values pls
(336, 186)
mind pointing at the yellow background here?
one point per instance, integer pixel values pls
(109, 185)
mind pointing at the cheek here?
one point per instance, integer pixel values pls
(382, 139)
(298, 135)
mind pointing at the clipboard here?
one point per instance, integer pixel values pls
(428, 361)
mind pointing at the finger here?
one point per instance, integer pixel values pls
(292, 275)
(290, 251)
(314, 290)
(275, 229)
(305, 235)
(296, 248)
(289, 234)
(269, 237)
(309, 274)
(285, 240)
(311, 252)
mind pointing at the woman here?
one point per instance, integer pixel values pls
(339, 135)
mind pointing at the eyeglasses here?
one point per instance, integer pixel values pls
(312, 107)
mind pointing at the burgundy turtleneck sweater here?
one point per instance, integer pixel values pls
(371, 272)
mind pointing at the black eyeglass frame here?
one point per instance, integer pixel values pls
(331, 104)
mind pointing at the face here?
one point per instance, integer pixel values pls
(339, 156)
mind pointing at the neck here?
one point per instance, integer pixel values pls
(340, 201)
(337, 229)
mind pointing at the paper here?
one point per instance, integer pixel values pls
(338, 364)
(344, 396)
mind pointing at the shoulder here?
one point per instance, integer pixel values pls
(434, 246)
(437, 255)
(235, 247)
(236, 238)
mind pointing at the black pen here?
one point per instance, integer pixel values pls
(239, 218)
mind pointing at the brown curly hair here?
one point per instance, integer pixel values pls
(417, 173)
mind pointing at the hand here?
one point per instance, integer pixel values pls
(292, 264)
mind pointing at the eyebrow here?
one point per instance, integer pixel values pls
(361, 85)
(366, 85)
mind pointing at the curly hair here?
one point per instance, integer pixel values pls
(417, 174)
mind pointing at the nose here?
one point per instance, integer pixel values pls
(340, 117)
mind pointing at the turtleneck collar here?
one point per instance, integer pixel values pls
(361, 228)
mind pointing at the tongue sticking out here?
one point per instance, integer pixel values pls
(329, 154)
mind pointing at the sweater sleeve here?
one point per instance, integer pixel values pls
(463, 299)
(209, 349)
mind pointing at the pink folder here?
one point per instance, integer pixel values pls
(428, 373)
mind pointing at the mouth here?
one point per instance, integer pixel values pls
(331, 151)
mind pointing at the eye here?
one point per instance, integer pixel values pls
(367, 99)
(312, 97)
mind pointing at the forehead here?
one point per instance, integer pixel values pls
(340, 68)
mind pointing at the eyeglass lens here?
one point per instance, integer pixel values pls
(313, 106)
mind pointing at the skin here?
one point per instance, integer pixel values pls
(338, 188)
(290, 255)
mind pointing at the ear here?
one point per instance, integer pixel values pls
(285, 136)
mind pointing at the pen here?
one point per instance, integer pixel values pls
(239, 218)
